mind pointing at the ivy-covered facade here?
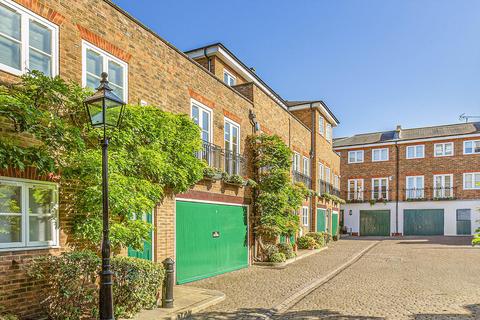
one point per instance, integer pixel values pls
(206, 198)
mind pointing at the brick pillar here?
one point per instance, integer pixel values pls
(164, 236)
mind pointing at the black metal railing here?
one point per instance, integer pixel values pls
(326, 187)
(303, 178)
(411, 194)
(378, 194)
(223, 160)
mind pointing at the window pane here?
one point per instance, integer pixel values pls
(360, 156)
(477, 180)
(10, 199)
(410, 153)
(10, 229)
(40, 200)
(115, 73)
(9, 52)
(468, 181)
(10, 22)
(40, 62)
(94, 63)
(384, 154)
(205, 121)
(225, 78)
(468, 147)
(40, 228)
(438, 150)
(117, 90)
(92, 82)
(419, 151)
(477, 147)
(195, 114)
(40, 37)
(463, 214)
(449, 149)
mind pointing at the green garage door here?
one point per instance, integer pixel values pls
(321, 220)
(210, 239)
(334, 223)
(146, 253)
(375, 223)
(423, 222)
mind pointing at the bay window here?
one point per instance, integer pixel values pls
(28, 214)
(27, 41)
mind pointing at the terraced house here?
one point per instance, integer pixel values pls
(206, 230)
(422, 181)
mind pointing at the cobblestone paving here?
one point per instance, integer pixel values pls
(253, 291)
(433, 278)
(411, 278)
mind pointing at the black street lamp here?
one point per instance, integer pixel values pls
(105, 109)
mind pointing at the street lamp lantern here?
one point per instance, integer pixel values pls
(105, 109)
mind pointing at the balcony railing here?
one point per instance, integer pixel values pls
(300, 177)
(327, 187)
(412, 194)
(360, 195)
(223, 160)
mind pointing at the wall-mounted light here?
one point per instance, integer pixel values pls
(254, 122)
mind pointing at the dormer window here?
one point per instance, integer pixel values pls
(229, 78)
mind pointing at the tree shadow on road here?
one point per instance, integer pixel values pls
(260, 313)
(473, 308)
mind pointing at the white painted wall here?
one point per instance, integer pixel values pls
(450, 213)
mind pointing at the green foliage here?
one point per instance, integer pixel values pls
(137, 285)
(476, 238)
(277, 197)
(270, 249)
(232, 179)
(210, 173)
(153, 152)
(307, 242)
(71, 284)
(5, 315)
(333, 198)
(286, 249)
(319, 238)
(278, 257)
(336, 237)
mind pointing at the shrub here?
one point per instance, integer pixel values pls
(328, 237)
(71, 284)
(319, 238)
(70, 279)
(270, 250)
(277, 257)
(307, 242)
(336, 237)
(137, 285)
(286, 249)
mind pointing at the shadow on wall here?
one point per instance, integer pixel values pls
(260, 313)
(410, 240)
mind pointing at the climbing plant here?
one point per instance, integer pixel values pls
(151, 154)
(275, 196)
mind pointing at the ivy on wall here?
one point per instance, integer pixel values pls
(151, 154)
(275, 196)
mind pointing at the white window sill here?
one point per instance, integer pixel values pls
(3, 250)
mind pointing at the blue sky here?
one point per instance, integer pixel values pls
(376, 63)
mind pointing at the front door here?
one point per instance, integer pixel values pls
(146, 253)
(464, 222)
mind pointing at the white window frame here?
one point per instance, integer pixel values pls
(321, 125)
(356, 152)
(328, 132)
(418, 191)
(305, 220)
(321, 171)
(358, 190)
(444, 148)
(230, 78)
(232, 124)
(106, 58)
(473, 181)
(380, 188)
(306, 166)
(415, 155)
(26, 244)
(296, 162)
(203, 107)
(443, 193)
(380, 151)
(25, 16)
(473, 146)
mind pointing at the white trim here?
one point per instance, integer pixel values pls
(452, 184)
(414, 188)
(306, 169)
(356, 157)
(25, 16)
(359, 146)
(473, 181)
(106, 57)
(473, 147)
(380, 187)
(415, 156)
(359, 191)
(443, 144)
(210, 111)
(213, 202)
(296, 156)
(230, 75)
(26, 244)
(380, 150)
(227, 119)
(305, 217)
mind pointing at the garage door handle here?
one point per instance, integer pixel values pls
(216, 234)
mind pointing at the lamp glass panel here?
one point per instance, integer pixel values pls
(95, 113)
(113, 112)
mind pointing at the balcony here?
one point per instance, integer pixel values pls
(419, 194)
(368, 195)
(300, 177)
(223, 160)
(327, 187)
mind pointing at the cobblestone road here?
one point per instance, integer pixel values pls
(411, 278)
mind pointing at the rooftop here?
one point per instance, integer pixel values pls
(409, 134)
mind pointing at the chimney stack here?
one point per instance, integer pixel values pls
(398, 132)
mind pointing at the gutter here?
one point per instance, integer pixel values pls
(397, 183)
(312, 162)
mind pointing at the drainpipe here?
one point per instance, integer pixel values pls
(312, 163)
(397, 183)
(209, 60)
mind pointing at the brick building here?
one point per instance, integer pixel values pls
(71, 39)
(422, 181)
